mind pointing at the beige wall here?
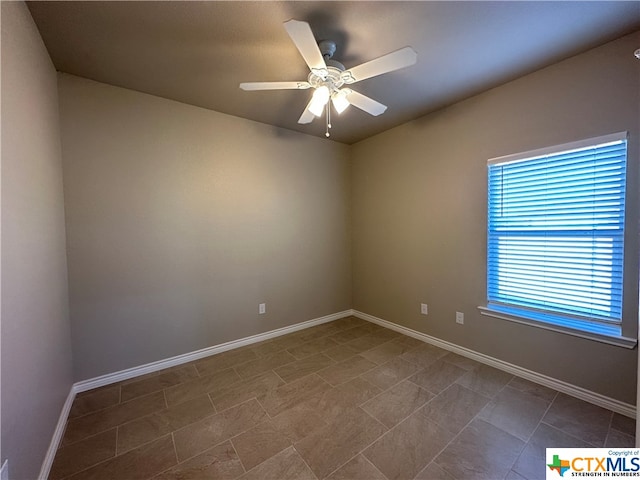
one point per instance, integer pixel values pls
(180, 221)
(419, 210)
(36, 346)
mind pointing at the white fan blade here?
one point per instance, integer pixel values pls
(387, 63)
(307, 116)
(275, 85)
(365, 103)
(302, 36)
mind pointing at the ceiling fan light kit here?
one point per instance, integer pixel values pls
(328, 76)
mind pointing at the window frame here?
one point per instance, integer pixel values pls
(605, 331)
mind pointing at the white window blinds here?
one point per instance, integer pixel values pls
(556, 228)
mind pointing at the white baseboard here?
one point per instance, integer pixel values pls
(45, 469)
(110, 378)
(559, 385)
(4, 470)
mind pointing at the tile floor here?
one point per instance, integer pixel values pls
(342, 400)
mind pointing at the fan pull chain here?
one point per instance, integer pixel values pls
(328, 120)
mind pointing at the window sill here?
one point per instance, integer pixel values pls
(604, 334)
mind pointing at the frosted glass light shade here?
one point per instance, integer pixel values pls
(340, 101)
(319, 100)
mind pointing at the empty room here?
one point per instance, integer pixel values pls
(319, 240)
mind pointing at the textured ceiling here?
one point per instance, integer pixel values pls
(198, 52)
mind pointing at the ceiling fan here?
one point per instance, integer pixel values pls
(328, 77)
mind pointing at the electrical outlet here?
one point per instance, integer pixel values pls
(262, 308)
(424, 309)
(460, 318)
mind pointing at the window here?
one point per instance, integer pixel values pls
(556, 235)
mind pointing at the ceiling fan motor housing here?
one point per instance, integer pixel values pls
(334, 76)
(331, 78)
